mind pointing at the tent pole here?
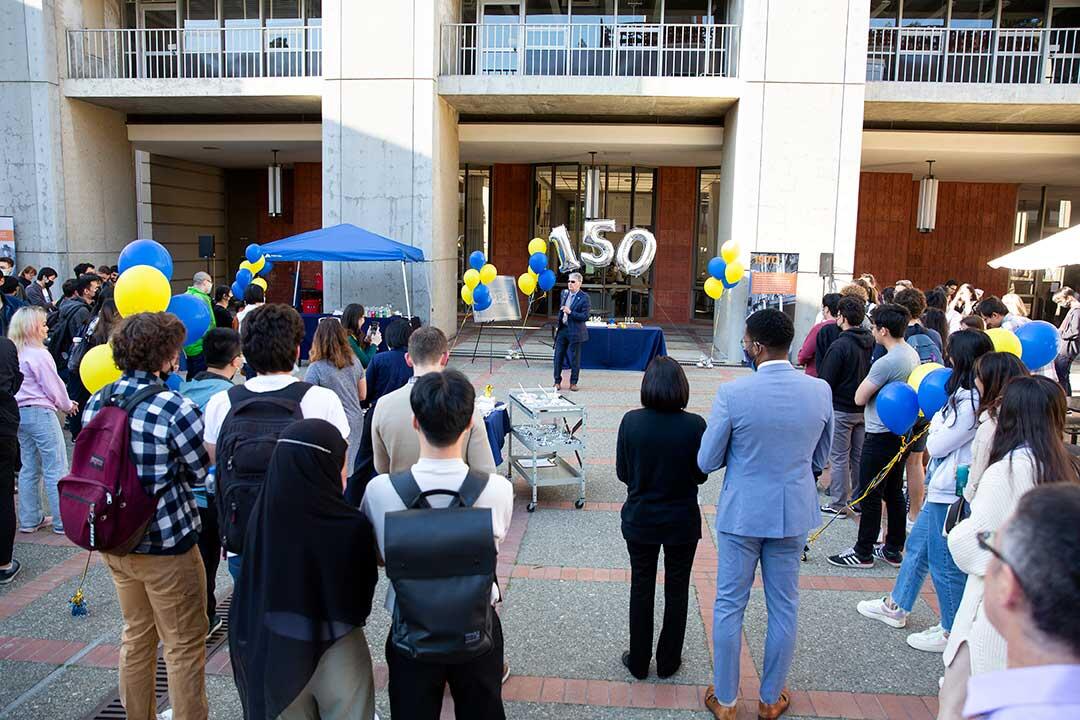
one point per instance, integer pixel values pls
(296, 286)
(408, 301)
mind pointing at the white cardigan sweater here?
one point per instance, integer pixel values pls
(998, 492)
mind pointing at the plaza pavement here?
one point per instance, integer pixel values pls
(565, 574)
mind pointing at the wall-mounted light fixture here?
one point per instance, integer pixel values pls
(273, 187)
(1064, 214)
(926, 217)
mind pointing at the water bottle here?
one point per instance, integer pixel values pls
(962, 479)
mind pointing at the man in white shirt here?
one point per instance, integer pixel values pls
(271, 340)
(442, 406)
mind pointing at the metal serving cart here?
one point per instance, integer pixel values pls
(540, 421)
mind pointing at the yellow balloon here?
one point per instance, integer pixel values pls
(466, 295)
(714, 288)
(249, 266)
(1005, 341)
(488, 273)
(920, 372)
(471, 278)
(142, 288)
(537, 245)
(734, 271)
(260, 282)
(534, 276)
(526, 283)
(730, 252)
(98, 368)
(257, 266)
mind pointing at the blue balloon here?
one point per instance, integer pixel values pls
(477, 260)
(481, 295)
(146, 252)
(174, 381)
(727, 285)
(237, 291)
(717, 268)
(898, 406)
(538, 262)
(932, 392)
(1039, 343)
(253, 252)
(546, 281)
(244, 277)
(267, 267)
(481, 306)
(193, 312)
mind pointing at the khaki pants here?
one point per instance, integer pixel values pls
(953, 693)
(162, 597)
(342, 687)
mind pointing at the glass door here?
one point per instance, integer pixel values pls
(160, 41)
(500, 37)
(1063, 61)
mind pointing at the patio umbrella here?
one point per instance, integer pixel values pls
(1062, 248)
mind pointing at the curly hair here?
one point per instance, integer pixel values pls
(146, 341)
(271, 336)
(854, 290)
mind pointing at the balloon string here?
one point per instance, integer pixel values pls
(878, 479)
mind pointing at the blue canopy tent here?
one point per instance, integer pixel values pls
(343, 243)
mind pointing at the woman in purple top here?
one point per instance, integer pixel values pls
(42, 395)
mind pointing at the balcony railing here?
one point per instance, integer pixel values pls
(262, 52)
(590, 50)
(959, 55)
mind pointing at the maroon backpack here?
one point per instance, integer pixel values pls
(102, 501)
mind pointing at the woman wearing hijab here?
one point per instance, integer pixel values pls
(298, 647)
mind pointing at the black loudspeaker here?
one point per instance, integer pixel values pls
(206, 246)
(825, 265)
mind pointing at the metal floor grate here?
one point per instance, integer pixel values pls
(111, 708)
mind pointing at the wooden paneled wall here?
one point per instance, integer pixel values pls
(673, 269)
(511, 218)
(975, 224)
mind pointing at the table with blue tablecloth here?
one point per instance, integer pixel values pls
(614, 348)
(311, 322)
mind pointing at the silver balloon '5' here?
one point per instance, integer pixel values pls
(601, 252)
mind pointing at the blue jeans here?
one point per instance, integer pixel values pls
(44, 457)
(234, 568)
(927, 550)
(737, 559)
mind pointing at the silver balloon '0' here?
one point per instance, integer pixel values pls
(568, 261)
(604, 251)
(648, 252)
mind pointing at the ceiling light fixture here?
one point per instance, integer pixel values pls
(926, 217)
(1064, 214)
(273, 187)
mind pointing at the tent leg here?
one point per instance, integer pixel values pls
(408, 300)
(296, 286)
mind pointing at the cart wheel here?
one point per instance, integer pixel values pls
(531, 507)
(579, 503)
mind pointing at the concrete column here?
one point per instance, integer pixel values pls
(792, 146)
(390, 151)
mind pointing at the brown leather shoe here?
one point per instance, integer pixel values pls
(573, 388)
(720, 712)
(776, 709)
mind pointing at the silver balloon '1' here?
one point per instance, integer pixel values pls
(568, 261)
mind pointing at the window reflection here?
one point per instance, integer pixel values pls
(708, 221)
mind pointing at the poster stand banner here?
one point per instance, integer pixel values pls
(7, 238)
(773, 282)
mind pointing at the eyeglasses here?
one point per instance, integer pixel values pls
(983, 539)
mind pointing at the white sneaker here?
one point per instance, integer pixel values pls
(165, 715)
(933, 639)
(879, 610)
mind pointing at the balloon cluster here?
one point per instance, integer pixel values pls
(480, 274)
(538, 274)
(900, 404)
(725, 271)
(253, 270)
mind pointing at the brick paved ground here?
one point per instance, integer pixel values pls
(566, 577)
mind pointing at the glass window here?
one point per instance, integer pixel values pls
(314, 9)
(708, 220)
(244, 11)
(547, 12)
(973, 13)
(474, 212)
(1023, 14)
(282, 9)
(200, 10)
(923, 13)
(688, 12)
(640, 11)
(883, 13)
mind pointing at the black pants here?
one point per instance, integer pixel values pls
(1063, 366)
(210, 549)
(564, 347)
(9, 468)
(416, 688)
(677, 562)
(878, 449)
(195, 365)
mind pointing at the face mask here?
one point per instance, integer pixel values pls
(49, 283)
(747, 360)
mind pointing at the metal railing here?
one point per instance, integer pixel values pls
(992, 55)
(589, 49)
(251, 52)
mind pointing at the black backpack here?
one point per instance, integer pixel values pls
(441, 562)
(63, 333)
(248, 436)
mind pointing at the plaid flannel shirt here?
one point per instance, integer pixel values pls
(169, 456)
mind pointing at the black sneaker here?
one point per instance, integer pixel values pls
(6, 576)
(830, 510)
(855, 510)
(215, 624)
(894, 559)
(849, 559)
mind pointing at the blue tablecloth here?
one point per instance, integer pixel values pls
(311, 321)
(497, 423)
(612, 348)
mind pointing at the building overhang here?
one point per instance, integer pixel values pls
(221, 96)
(944, 104)
(241, 145)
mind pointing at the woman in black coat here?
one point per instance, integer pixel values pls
(656, 456)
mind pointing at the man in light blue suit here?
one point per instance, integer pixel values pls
(771, 431)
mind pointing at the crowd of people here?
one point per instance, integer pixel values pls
(353, 467)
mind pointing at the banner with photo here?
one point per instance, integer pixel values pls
(773, 281)
(7, 239)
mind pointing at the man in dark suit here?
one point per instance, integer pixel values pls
(571, 330)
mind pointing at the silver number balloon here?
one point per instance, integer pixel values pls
(648, 252)
(568, 261)
(603, 251)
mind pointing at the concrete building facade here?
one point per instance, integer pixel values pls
(454, 125)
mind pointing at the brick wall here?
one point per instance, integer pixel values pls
(511, 218)
(302, 211)
(673, 269)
